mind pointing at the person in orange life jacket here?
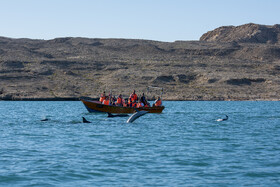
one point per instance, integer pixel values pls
(157, 102)
(102, 97)
(129, 102)
(133, 96)
(139, 104)
(125, 104)
(110, 98)
(119, 100)
(106, 101)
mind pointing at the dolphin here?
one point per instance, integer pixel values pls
(224, 119)
(46, 119)
(136, 115)
(116, 115)
(85, 121)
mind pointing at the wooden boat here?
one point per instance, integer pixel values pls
(96, 106)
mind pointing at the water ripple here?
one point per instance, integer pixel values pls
(184, 146)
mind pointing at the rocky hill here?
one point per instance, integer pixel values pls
(248, 33)
(228, 63)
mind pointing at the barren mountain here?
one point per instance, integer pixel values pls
(228, 63)
(248, 33)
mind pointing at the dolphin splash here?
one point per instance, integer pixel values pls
(223, 119)
(136, 116)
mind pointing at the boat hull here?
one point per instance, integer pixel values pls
(96, 106)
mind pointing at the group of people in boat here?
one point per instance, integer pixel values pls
(132, 101)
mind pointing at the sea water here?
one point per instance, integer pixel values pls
(183, 146)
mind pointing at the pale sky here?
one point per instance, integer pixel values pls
(162, 20)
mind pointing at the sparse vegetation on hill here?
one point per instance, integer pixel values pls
(229, 63)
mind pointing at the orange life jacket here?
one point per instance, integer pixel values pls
(158, 103)
(133, 97)
(124, 105)
(119, 100)
(102, 98)
(106, 102)
(139, 105)
(134, 104)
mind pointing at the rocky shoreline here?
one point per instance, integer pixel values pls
(228, 63)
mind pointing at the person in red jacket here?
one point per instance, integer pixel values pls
(102, 97)
(133, 96)
(120, 100)
(157, 102)
(106, 101)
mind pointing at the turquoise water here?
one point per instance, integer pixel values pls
(183, 146)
